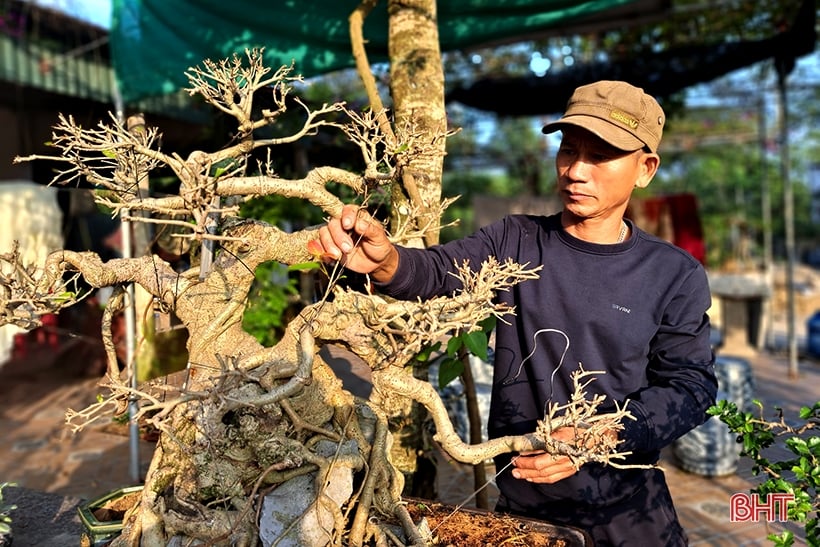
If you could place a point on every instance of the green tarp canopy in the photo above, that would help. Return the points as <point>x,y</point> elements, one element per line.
<point>153,42</point>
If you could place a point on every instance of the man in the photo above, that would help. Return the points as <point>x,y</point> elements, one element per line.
<point>610,298</point>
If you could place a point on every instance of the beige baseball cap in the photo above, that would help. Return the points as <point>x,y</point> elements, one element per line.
<point>619,113</point>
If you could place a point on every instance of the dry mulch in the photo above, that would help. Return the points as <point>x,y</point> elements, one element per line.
<point>475,528</point>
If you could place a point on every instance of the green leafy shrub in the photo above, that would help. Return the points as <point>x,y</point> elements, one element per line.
<point>795,471</point>
<point>273,293</point>
<point>5,511</point>
<point>452,365</point>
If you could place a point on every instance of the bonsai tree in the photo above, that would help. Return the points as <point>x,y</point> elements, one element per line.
<point>252,419</point>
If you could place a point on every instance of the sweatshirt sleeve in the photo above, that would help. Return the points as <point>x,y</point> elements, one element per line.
<point>681,382</point>
<point>426,273</point>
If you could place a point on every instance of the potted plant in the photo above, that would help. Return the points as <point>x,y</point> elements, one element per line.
<point>255,419</point>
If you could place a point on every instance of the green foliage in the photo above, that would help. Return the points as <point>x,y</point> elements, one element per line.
<point>728,180</point>
<point>275,288</point>
<point>276,209</point>
<point>475,342</point>
<point>519,146</point>
<point>797,473</point>
<point>513,162</point>
<point>5,510</point>
<point>465,185</point>
<point>265,315</point>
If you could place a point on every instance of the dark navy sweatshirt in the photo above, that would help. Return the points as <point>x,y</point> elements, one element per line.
<point>636,310</point>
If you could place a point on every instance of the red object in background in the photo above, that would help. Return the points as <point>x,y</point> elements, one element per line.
<point>72,340</point>
<point>688,231</point>
<point>46,336</point>
<point>674,218</point>
<point>19,347</point>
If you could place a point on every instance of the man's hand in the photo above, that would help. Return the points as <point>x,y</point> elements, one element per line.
<point>541,467</point>
<point>360,243</point>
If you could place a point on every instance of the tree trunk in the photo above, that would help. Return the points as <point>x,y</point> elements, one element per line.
<point>417,87</point>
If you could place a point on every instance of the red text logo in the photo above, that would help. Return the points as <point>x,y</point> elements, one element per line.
<point>754,507</point>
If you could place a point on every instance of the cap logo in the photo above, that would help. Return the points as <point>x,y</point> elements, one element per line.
<point>624,118</point>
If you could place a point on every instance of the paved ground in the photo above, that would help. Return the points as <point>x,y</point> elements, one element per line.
<point>55,469</point>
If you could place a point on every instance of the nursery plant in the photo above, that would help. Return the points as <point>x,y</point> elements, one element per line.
<point>5,517</point>
<point>792,470</point>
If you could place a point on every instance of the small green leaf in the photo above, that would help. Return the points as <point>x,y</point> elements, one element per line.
<point>798,446</point>
<point>786,539</point>
<point>807,412</point>
<point>453,345</point>
<point>65,296</point>
<point>449,370</point>
<point>488,324</point>
<point>477,342</point>
<point>304,266</point>
<point>424,355</point>
<point>109,153</point>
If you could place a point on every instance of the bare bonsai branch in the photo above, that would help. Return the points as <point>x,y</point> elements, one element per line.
<point>596,438</point>
<point>27,293</point>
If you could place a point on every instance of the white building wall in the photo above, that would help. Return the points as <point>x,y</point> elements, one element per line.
<point>30,215</point>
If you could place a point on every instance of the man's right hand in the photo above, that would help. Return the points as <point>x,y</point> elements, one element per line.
<point>360,242</point>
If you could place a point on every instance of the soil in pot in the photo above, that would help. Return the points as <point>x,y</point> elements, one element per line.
<point>102,518</point>
<point>469,527</point>
<point>116,508</point>
<point>465,527</point>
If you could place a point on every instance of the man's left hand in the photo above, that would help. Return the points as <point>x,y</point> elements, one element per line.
<point>542,467</point>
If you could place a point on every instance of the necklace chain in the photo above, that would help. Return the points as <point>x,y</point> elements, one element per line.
<point>622,235</point>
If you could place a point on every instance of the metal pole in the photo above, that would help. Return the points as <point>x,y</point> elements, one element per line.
<point>130,324</point>
<point>766,211</point>
<point>130,344</point>
<point>788,213</point>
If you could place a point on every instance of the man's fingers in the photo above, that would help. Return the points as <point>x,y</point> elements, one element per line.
<point>333,240</point>
<point>535,460</point>
<point>365,225</point>
<point>552,476</point>
<point>542,468</point>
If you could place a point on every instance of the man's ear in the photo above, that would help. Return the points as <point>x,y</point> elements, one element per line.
<point>648,168</point>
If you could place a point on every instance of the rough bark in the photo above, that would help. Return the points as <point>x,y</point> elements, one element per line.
<point>417,89</point>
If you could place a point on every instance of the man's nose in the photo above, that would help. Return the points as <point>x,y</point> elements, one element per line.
<point>579,168</point>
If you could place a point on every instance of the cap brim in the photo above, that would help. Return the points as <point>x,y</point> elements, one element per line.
<point>611,133</point>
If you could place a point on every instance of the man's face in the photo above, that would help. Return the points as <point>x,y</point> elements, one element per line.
<point>596,179</point>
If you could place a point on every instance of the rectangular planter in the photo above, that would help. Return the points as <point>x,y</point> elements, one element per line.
<point>98,530</point>
<point>483,527</point>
